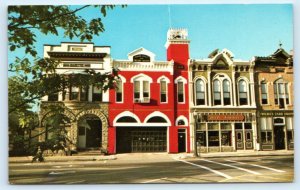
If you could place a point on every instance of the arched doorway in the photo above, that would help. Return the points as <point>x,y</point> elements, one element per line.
<point>89,132</point>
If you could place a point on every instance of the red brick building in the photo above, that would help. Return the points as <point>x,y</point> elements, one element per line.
<point>148,110</point>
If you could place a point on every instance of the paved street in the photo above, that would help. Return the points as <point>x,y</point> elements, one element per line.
<point>156,168</point>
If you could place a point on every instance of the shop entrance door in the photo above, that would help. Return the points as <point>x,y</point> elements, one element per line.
<point>181,140</point>
<point>279,137</point>
<point>249,141</point>
<point>239,140</point>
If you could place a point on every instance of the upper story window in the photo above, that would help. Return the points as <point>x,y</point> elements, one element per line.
<point>119,91</point>
<point>163,91</point>
<point>180,92</point>
<point>281,93</point>
<point>264,93</point>
<point>74,93</point>
<point>53,97</point>
<point>97,94</point>
<point>222,90</point>
<point>84,93</point>
<point>141,85</point>
<point>217,92</point>
<point>243,92</point>
<point>78,93</point>
<point>200,92</point>
<point>226,92</point>
<point>180,81</point>
<point>163,82</point>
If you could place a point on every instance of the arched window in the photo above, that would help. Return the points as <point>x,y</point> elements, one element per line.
<point>181,122</point>
<point>281,93</point>
<point>226,92</point>
<point>126,119</point>
<point>141,85</point>
<point>156,119</point>
<point>163,91</point>
<point>119,91</point>
<point>243,92</point>
<point>217,92</point>
<point>200,92</point>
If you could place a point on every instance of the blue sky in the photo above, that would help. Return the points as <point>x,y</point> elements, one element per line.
<point>246,30</point>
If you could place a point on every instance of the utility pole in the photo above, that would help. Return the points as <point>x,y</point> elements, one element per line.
<point>195,134</point>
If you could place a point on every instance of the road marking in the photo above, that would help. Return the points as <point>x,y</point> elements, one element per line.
<point>236,167</point>
<point>153,180</point>
<point>75,182</point>
<point>59,173</point>
<point>207,168</point>
<point>265,167</point>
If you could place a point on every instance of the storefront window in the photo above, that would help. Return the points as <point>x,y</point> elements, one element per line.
<point>226,138</point>
<point>226,134</point>
<point>213,138</point>
<point>290,130</point>
<point>266,130</point>
<point>201,138</point>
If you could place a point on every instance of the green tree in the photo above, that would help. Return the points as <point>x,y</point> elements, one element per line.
<point>35,77</point>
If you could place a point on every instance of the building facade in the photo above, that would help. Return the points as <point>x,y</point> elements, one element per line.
<point>84,114</point>
<point>222,106</point>
<point>274,97</point>
<point>148,110</point>
<point>216,104</point>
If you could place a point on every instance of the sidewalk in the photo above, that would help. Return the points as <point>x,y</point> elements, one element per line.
<point>132,156</point>
<point>246,153</point>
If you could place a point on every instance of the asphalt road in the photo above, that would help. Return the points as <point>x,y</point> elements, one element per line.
<point>156,168</point>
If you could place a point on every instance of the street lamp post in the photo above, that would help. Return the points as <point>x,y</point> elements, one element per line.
<point>195,134</point>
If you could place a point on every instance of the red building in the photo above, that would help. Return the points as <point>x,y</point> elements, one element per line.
<point>149,109</point>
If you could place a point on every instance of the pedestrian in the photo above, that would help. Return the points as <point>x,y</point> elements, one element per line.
<point>39,156</point>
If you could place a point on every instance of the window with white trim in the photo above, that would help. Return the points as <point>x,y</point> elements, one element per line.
<point>119,91</point>
<point>97,94</point>
<point>264,93</point>
<point>266,130</point>
<point>180,91</point>
<point>200,92</point>
<point>226,92</point>
<point>281,93</point>
<point>141,91</point>
<point>217,92</point>
<point>163,91</point>
<point>74,93</point>
<point>243,92</point>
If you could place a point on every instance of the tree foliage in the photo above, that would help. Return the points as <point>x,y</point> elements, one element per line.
<point>35,77</point>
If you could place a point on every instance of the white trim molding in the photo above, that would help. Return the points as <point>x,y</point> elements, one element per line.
<point>159,114</point>
<point>181,117</point>
<point>126,114</point>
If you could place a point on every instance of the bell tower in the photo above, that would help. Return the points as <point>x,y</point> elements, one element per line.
<point>177,46</point>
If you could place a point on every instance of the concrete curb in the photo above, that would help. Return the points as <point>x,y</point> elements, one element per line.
<point>28,159</point>
<point>235,155</point>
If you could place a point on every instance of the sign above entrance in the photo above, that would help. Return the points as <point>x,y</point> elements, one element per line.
<point>274,113</point>
<point>235,117</point>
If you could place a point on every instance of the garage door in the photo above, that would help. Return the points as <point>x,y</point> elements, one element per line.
<point>141,139</point>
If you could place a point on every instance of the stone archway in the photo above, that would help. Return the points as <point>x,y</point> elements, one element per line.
<point>66,113</point>
<point>103,120</point>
